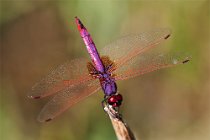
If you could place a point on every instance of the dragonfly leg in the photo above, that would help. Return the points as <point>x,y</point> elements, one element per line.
<point>104,102</point>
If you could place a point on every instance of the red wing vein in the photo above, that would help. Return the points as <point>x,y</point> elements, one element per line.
<point>69,74</point>
<point>67,98</point>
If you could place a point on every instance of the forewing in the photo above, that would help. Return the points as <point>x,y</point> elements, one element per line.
<point>66,98</point>
<point>148,62</point>
<point>69,74</point>
<point>128,47</point>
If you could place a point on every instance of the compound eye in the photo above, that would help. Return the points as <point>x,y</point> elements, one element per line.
<point>112,100</point>
<point>119,97</point>
<point>115,100</point>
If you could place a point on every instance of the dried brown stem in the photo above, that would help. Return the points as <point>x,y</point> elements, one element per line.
<point>122,131</point>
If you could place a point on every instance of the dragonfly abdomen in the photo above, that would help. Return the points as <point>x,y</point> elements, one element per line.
<point>91,48</point>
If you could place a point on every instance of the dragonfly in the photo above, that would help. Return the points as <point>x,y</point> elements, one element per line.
<point>125,58</point>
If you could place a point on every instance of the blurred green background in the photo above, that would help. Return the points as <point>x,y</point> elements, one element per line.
<point>170,104</point>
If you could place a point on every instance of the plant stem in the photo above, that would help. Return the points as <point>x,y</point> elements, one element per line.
<point>122,131</point>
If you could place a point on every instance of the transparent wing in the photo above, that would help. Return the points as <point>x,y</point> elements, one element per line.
<point>127,47</point>
<point>66,98</point>
<point>148,62</point>
<point>69,74</point>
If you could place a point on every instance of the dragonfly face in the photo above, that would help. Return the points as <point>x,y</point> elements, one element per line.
<point>125,58</point>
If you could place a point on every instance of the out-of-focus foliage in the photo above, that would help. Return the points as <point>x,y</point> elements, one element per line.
<point>36,36</point>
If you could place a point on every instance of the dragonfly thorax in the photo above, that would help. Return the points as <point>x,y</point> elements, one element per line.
<point>108,85</point>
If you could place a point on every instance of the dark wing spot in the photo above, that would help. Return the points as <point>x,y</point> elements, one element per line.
<point>167,36</point>
<point>34,97</point>
<point>185,61</point>
<point>48,120</point>
<point>37,97</point>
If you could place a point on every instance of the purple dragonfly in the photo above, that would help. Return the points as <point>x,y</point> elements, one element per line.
<point>125,58</point>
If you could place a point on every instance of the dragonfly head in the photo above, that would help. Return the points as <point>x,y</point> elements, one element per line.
<point>115,100</point>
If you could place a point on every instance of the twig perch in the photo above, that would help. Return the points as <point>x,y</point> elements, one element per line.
<point>121,129</point>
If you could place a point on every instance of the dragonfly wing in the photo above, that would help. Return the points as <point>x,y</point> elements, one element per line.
<point>148,62</point>
<point>127,47</point>
<point>66,98</point>
<point>69,74</point>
